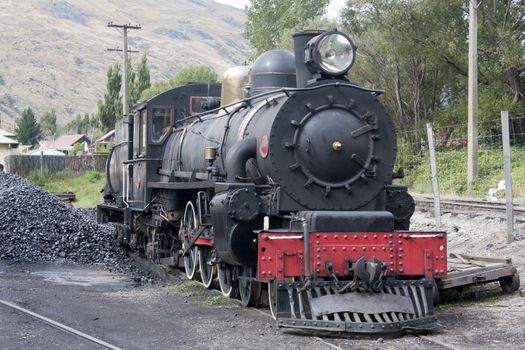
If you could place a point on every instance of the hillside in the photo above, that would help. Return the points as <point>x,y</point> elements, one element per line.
<point>54,51</point>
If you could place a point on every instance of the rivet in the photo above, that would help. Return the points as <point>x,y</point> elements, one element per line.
<point>400,263</point>
<point>374,249</point>
<point>383,249</point>
<point>318,235</point>
<point>344,249</point>
<point>324,249</point>
<point>364,248</point>
<point>375,236</point>
<point>333,249</point>
<point>345,236</point>
<point>385,236</point>
<point>366,236</point>
<point>316,242</point>
<point>391,263</point>
<point>335,236</point>
<point>263,258</point>
<point>325,237</point>
<point>355,236</point>
<point>318,249</point>
<point>391,256</point>
<point>270,272</point>
<point>269,258</point>
<point>318,256</point>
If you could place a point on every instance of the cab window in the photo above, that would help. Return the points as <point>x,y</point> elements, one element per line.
<point>161,121</point>
<point>139,137</point>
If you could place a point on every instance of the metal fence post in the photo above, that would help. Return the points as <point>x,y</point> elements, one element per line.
<point>435,179</point>
<point>508,174</point>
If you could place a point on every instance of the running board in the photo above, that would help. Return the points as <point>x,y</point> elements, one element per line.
<point>399,306</point>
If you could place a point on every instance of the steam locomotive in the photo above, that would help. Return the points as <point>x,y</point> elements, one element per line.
<point>279,179</point>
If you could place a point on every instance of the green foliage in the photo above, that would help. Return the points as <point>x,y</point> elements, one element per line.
<point>141,80</point>
<point>86,187</point>
<point>416,51</point>
<point>48,124</point>
<point>28,130</point>
<point>77,147</point>
<point>85,125</point>
<point>267,20</point>
<point>452,168</point>
<point>110,108</point>
<point>188,74</point>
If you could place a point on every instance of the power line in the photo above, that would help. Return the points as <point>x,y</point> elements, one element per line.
<point>124,28</point>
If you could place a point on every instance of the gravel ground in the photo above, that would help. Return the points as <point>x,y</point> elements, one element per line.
<point>478,235</point>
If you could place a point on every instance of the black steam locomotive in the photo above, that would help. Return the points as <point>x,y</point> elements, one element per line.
<point>281,178</point>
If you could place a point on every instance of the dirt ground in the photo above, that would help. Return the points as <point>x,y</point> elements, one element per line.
<point>184,315</point>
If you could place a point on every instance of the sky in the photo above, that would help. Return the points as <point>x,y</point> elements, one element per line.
<point>333,9</point>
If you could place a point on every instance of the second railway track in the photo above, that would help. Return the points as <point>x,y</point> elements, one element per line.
<point>470,206</point>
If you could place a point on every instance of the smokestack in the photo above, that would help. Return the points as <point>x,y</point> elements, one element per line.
<point>300,40</point>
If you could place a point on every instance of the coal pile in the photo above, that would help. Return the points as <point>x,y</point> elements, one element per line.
<point>37,226</point>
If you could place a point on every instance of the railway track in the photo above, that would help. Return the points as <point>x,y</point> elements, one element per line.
<point>67,197</point>
<point>60,326</point>
<point>469,206</point>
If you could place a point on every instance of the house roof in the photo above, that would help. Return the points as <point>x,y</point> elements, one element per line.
<point>7,141</point>
<point>6,133</point>
<point>63,143</point>
<point>106,136</point>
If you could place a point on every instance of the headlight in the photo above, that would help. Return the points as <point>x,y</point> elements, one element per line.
<point>332,53</point>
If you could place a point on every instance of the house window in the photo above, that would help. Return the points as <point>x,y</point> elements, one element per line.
<point>161,122</point>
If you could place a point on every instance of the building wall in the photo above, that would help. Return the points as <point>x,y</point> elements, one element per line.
<point>24,165</point>
<point>5,150</point>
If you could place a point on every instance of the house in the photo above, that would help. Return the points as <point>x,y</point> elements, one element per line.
<point>64,143</point>
<point>104,144</point>
<point>7,133</point>
<point>8,146</point>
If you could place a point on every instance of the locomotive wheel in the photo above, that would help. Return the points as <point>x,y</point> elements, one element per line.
<point>225,281</point>
<point>271,300</point>
<point>510,284</point>
<point>191,264</point>
<point>249,288</point>
<point>208,271</point>
<point>189,224</point>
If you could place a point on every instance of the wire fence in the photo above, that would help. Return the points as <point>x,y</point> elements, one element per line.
<point>451,144</point>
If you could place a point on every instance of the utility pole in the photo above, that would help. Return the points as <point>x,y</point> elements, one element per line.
<point>125,93</point>
<point>472,137</point>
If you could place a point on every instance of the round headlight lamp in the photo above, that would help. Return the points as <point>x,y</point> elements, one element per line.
<point>331,53</point>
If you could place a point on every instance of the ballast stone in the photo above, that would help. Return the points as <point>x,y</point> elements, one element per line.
<point>36,226</point>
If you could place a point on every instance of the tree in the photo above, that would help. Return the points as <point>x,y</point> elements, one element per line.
<point>110,108</point>
<point>193,74</point>
<point>48,124</point>
<point>141,80</point>
<point>188,74</point>
<point>28,130</point>
<point>268,19</point>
